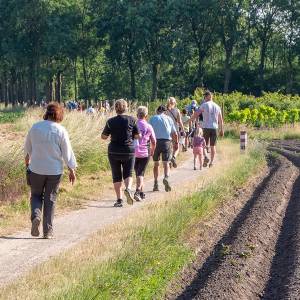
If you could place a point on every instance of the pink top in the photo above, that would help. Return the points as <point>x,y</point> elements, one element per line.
<point>147,133</point>
<point>199,142</point>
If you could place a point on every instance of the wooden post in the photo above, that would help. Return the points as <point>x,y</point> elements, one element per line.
<point>243,140</point>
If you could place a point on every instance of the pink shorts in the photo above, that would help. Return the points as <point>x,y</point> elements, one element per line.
<point>197,150</point>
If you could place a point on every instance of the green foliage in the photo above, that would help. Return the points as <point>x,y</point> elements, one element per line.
<point>10,116</point>
<point>264,116</point>
<point>62,49</point>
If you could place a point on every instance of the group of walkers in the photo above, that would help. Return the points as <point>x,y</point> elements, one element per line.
<point>132,144</point>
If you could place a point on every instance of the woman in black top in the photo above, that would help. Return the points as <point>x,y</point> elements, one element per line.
<point>122,130</point>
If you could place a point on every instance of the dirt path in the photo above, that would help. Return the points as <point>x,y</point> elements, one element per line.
<point>20,252</point>
<point>254,246</point>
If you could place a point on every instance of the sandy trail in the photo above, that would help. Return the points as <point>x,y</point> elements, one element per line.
<point>20,252</point>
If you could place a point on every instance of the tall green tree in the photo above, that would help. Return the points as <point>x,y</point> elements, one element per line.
<point>230,14</point>
<point>157,28</point>
<point>266,16</point>
<point>199,18</point>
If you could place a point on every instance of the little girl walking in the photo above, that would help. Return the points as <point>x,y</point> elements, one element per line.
<point>199,145</point>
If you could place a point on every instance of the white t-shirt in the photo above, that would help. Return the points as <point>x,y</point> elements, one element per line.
<point>48,146</point>
<point>90,111</point>
<point>210,111</point>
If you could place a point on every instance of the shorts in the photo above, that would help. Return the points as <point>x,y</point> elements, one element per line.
<point>210,136</point>
<point>121,166</point>
<point>140,165</point>
<point>163,148</point>
<point>198,150</point>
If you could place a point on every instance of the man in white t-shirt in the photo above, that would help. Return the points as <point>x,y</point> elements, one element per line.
<point>212,120</point>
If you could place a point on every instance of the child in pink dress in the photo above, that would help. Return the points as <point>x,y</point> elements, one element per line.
<point>199,145</point>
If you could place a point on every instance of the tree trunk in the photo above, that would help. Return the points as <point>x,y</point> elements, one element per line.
<point>13,87</point>
<point>262,64</point>
<point>20,91</point>
<point>58,97</point>
<point>75,79</point>
<point>155,76</point>
<point>290,75</point>
<point>86,83</point>
<point>50,90</point>
<point>200,73</point>
<point>248,39</point>
<point>132,78</point>
<point>5,89</point>
<point>227,72</point>
<point>25,88</point>
<point>32,84</point>
<point>1,91</point>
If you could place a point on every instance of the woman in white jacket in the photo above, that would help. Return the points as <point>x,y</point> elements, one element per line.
<point>47,147</point>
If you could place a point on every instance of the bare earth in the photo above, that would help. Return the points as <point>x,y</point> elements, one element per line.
<point>251,248</point>
<point>20,252</point>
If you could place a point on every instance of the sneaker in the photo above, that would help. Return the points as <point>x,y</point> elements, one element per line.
<point>210,165</point>
<point>173,162</point>
<point>129,196</point>
<point>142,195</point>
<point>155,187</point>
<point>35,224</point>
<point>195,168</point>
<point>206,161</point>
<point>48,236</point>
<point>167,184</point>
<point>119,203</point>
<point>137,196</point>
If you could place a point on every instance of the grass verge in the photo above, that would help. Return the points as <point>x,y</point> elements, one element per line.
<point>137,258</point>
<point>287,132</point>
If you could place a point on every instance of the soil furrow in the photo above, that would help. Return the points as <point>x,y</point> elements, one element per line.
<point>210,234</point>
<point>249,261</point>
<point>284,282</point>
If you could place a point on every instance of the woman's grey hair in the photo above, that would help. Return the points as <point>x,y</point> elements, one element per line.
<point>142,112</point>
<point>121,106</point>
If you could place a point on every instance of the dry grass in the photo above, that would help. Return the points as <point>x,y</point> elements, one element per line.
<point>285,132</point>
<point>90,151</point>
<point>65,272</point>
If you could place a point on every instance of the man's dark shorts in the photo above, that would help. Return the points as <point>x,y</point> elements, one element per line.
<point>164,148</point>
<point>210,135</point>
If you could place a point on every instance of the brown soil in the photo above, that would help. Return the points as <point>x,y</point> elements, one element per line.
<point>251,248</point>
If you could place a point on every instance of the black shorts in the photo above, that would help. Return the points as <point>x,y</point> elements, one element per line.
<point>163,148</point>
<point>121,166</point>
<point>140,165</point>
<point>210,136</point>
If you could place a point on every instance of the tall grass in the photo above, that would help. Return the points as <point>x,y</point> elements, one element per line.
<point>84,132</point>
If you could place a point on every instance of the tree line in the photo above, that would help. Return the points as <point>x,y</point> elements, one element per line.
<point>146,49</point>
